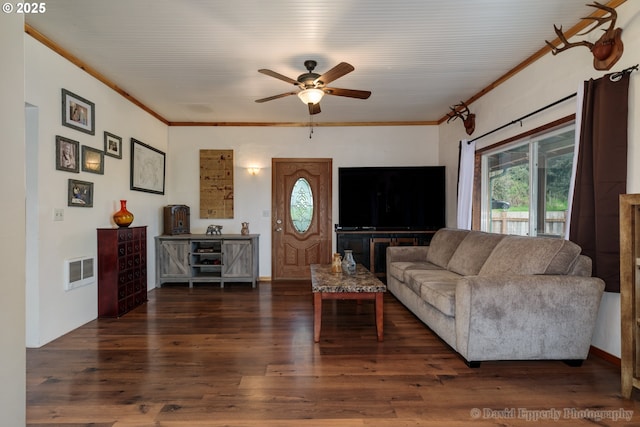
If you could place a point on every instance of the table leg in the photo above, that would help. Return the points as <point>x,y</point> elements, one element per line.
<point>379,316</point>
<point>317,315</point>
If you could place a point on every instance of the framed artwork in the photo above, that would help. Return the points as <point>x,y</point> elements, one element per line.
<point>92,160</point>
<point>67,154</point>
<point>78,113</point>
<point>112,145</point>
<point>80,194</point>
<point>147,168</point>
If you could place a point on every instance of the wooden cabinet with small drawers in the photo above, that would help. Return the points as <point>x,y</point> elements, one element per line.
<point>122,270</point>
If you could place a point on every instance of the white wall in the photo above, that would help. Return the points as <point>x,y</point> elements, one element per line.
<point>547,80</point>
<point>12,233</point>
<point>256,146</point>
<point>55,310</point>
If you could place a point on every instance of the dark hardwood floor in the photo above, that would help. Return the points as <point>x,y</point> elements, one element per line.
<point>245,357</point>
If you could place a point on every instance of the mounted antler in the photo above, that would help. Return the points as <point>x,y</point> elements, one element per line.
<point>467,117</point>
<point>607,49</point>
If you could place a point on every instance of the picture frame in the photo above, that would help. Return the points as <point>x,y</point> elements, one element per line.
<point>67,154</point>
<point>112,145</point>
<point>78,113</point>
<point>147,168</point>
<point>80,194</point>
<point>92,160</point>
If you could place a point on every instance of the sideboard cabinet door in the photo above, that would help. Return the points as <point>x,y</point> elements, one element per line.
<point>173,259</point>
<point>238,259</point>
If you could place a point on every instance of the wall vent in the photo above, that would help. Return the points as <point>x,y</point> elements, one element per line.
<point>79,272</point>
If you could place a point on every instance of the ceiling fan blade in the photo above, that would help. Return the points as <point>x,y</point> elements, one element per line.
<point>271,98</point>
<point>314,108</point>
<point>336,72</point>
<point>278,76</point>
<point>351,93</point>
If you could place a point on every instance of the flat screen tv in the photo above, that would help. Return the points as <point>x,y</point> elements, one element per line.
<point>391,198</point>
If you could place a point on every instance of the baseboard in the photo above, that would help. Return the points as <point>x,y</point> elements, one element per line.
<point>605,356</point>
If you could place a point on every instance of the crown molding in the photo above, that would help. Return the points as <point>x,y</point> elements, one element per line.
<point>584,23</point>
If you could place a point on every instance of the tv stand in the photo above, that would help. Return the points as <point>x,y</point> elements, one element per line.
<point>370,246</point>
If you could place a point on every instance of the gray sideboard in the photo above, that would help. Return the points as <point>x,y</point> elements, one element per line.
<point>205,258</point>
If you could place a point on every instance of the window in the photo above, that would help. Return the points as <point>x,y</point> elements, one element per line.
<point>301,205</point>
<point>525,184</point>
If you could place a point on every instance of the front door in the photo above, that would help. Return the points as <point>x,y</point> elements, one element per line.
<point>301,215</point>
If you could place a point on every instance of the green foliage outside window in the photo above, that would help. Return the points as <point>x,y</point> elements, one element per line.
<point>512,185</point>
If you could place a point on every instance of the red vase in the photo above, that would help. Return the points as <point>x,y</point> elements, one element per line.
<point>123,218</point>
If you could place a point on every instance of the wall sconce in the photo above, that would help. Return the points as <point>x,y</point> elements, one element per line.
<point>253,170</point>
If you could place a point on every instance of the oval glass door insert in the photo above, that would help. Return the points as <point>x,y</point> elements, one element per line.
<point>301,205</point>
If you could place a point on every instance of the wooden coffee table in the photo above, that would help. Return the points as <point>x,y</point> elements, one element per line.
<point>363,285</point>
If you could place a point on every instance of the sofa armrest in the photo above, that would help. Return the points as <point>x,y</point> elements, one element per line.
<point>515,317</point>
<point>403,256</point>
<point>407,253</point>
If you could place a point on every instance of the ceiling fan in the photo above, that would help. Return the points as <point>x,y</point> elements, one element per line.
<point>313,87</point>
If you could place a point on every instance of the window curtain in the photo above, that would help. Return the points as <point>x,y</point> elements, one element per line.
<point>466,163</point>
<point>576,147</point>
<point>601,175</point>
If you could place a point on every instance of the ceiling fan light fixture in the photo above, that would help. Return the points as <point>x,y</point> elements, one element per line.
<point>310,96</point>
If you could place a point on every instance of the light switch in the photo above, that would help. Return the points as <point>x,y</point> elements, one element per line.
<point>58,214</point>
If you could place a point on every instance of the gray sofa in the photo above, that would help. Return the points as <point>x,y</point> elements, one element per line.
<point>500,297</point>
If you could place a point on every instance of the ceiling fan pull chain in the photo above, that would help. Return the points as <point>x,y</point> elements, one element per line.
<point>310,125</point>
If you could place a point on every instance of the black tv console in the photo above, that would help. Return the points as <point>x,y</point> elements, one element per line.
<point>370,247</point>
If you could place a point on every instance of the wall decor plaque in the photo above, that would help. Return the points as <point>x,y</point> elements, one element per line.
<point>216,183</point>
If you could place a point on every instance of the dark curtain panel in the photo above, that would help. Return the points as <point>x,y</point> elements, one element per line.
<point>601,176</point>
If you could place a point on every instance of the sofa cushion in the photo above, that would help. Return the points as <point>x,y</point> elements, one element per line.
<point>531,255</point>
<point>398,268</point>
<point>443,244</point>
<point>435,287</point>
<point>441,295</point>
<point>473,251</point>
<point>565,259</point>
<point>583,266</point>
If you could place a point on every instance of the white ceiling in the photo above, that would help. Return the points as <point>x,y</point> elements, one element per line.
<point>197,60</point>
